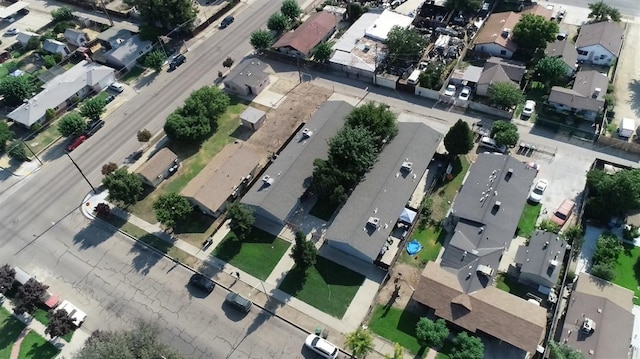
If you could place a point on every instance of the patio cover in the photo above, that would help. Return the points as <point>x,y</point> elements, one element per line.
<point>407,216</point>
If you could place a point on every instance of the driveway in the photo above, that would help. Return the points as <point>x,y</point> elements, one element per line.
<point>627,82</point>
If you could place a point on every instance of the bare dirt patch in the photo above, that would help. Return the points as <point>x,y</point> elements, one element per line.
<point>283,86</point>
<point>405,277</point>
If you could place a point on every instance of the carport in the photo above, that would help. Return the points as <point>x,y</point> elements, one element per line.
<point>13,9</point>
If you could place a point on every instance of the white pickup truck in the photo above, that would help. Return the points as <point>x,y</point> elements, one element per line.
<point>76,314</point>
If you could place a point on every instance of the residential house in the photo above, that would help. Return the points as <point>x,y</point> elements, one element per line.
<point>299,42</point>
<point>496,70</point>
<point>248,78</point>
<point>585,98</point>
<point>157,168</point>
<point>82,80</point>
<point>225,177</point>
<point>599,319</point>
<point>540,10</point>
<point>23,37</point>
<point>112,37</point>
<point>385,22</point>
<point>566,51</point>
<point>279,192</point>
<point>599,43</point>
<point>496,36</point>
<point>460,288</point>
<point>76,37</point>
<point>123,48</point>
<point>362,227</point>
<point>55,47</point>
<point>539,261</point>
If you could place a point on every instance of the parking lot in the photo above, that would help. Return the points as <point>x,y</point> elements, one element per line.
<point>30,22</point>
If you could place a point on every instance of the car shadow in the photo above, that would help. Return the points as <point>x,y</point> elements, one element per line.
<point>196,292</point>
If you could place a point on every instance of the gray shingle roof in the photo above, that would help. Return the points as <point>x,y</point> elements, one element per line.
<point>564,50</point>
<point>248,73</point>
<point>543,256</point>
<point>385,190</point>
<point>293,168</point>
<point>609,35</point>
<point>582,96</point>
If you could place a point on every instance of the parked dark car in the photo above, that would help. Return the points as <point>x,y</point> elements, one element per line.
<point>74,143</point>
<point>201,282</point>
<point>93,127</point>
<point>177,61</point>
<point>110,99</point>
<point>241,303</point>
<point>226,21</point>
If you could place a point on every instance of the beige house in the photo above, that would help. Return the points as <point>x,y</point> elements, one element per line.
<point>157,168</point>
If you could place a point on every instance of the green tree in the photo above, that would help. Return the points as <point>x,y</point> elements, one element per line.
<point>49,114</point>
<point>291,9</point>
<point>354,11</point>
<point>550,70</point>
<point>377,119</point>
<point>5,135</point>
<point>466,347</point>
<point>107,168</point>
<point>186,129</point>
<point>60,323</point>
<point>505,94</point>
<point>49,61</point>
<point>431,77</point>
<point>605,271</point>
<point>505,133</point>
<point>228,62</point>
<point>322,52</point>
<point>533,32</point>
<point>432,333</point>
<point>359,342</point>
<point>16,89</point>
<point>72,124</point>
<point>62,14</point>
<point>398,352</point>
<point>404,45</point>
<point>18,151</point>
<point>563,351</point>
<point>242,219</point>
<point>168,14</point>
<point>459,139</point>
<point>353,150</point>
<point>463,5</point>
<point>303,252</point>
<point>155,60</point>
<point>608,248</point>
<point>261,39</point>
<point>7,277</point>
<point>29,296</point>
<point>612,195</point>
<point>603,12</point>
<point>277,22</point>
<point>548,225</point>
<point>198,118</point>
<point>144,135</point>
<point>171,209</point>
<point>574,236</point>
<point>93,108</point>
<point>123,186</point>
<point>329,180</point>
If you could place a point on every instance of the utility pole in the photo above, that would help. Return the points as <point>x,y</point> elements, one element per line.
<point>83,176</point>
<point>33,153</point>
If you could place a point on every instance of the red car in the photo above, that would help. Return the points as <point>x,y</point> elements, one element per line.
<point>564,212</point>
<point>76,142</point>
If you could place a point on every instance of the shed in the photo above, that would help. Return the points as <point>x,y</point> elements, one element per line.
<point>627,127</point>
<point>253,118</point>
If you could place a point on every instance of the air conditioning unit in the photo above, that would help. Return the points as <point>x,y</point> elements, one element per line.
<point>373,221</point>
<point>485,269</point>
<point>407,166</point>
<point>306,133</point>
<point>267,180</point>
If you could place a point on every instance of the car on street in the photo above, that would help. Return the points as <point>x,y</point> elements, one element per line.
<point>201,282</point>
<point>109,99</point>
<point>177,61</point>
<point>117,87</point>
<point>450,91</point>
<point>491,144</point>
<point>528,108</point>
<point>562,214</point>
<point>465,93</point>
<point>93,127</point>
<point>11,31</point>
<point>75,142</point>
<point>239,302</point>
<point>537,191</point>
<point>321,346</point>
<point>561,36</point>
<point>226,21</point>
<point>9,19</point>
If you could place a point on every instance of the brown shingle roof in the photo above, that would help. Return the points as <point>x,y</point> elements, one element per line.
<point>157,164</point>
<point>492,31</point>
<point>564,50</point>
<point>310,33</point>
<point>216,182</point>
<point>540,11</point>
<point>490,310</point>
<point>606,34</point>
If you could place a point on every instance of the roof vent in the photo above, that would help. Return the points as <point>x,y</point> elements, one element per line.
<point>588,326</point>
<point>509,173</point>
<point>485,269</point>
<point>481,229</point>
<point>553,263</point>
<point>505,32</point>
<point>406,166</point>
<point>306,133</point>
<point>267,180</point>
<point>497,204</point>
<point>373,221</point>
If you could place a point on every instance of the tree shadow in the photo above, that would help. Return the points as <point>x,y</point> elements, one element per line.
<point>97,232</point>
<point>38,350</point>
<point>294,281</point>
<point>634,94</point>
<point>196,222</point>
<point>56,150</point>
<point>636,270</point>
<point>228,248</point>
<point>242,133</point>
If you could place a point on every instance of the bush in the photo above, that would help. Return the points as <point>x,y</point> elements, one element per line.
<point>631,232</point>
<point>49,61</point>
<point>549,226</point>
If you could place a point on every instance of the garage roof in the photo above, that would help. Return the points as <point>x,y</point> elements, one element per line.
<point>12,9</point>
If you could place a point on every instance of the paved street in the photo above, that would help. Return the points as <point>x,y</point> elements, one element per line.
<point>626,7</point>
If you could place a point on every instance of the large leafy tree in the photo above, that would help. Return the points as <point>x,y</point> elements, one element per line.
<point>505,94</point>
<point>563,351</point>
<point>304,252</point>
<point>93,108</point>
<point>603,12</point>
<point>198,117</point>
<point>404,45</point>
<point>60,323</point>
<point>432,333</point>
<point>377,119</point>
<point>171,208</point>
<point>612,195</point>
<point>431,77</point>
<point>16,89</point>
<point>354,11</point>
<point>466,347</point>
<point>534,31</point>
<point>29,296</point>
<point>155,60</point>
<point>123,186</point>
<point>459,139</point>
<point>291,9</point>
<point>463,5</point>
<point>62,14</point>
<point>72,124</point>
<point>550,70</point>
<point>168,14</point>
<point>7,276</point>
<point>277,22</point>
<point>330,181</point>
<point>261,39</point>
<point>359,342</point>
<point>322,52</point>
<point>5,135</point>
<point>353,150</point>
<point>242,219</point>
<point>505,133</point>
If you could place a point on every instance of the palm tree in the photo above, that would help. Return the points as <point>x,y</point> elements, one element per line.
<point>360,342</point>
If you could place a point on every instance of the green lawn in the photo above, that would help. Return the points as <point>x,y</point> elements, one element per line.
<point>431,238</point>
<point>257,254</point>
<point>133,74</point>
<point>44,138</point>
<point>628,271</point>
<point>396,325</point>
<point>36,347</point>
<point>327,286</point>
<point>528,219</point>
<point>10,329</point>
<point>510,285</point>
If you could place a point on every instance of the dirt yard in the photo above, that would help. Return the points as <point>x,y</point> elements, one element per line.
<point>404,276</point>
<point>299,105</point>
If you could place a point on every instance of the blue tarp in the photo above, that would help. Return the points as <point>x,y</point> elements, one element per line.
<point>414,247</point>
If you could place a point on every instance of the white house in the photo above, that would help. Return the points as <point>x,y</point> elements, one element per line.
<point>128,52</point>
<point>55,47</point>
<point>76,37</point>
<point>24,37</point>
<point>599,43</point>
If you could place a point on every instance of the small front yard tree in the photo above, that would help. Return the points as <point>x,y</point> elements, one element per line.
<point>18,151</point>
<point>7,276</point>
<point>404,45</point>
<point>431,77</point>
<point>102,210</point>
<point>277,22</point>
<point>505,94</point>
<point>72,124</point>
<point>171,209</point>
<point>60,323</point>
<point>563,351</point>
<point>143,135</point>
<point>93,108</point>
<point>432,333</point>
<point>228,62</point>
<point>155,60</point>
<point>16,89</point>
<point>322,52</point>
<point>242,219</point>
<point>29,296</point>
<point>398,352</point>
<point>533,32</point>
<point>505,133</point>
<point>603,12</point>
<point>291,9</point>
<point>550,70</point>
<point>123,186</point>
<point>459,139</point>
<point>5,135</point>
<point>261,39</point>
<point>304,252</point>
<point>467,347</point>
<point>359,342</point>
<point>109,167</point>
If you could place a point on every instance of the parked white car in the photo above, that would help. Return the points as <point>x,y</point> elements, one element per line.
<point>450,91</point>
<point>537,191</point>
<point>117,87</point>
<point>528,108</point>
<point>321,346</point>
<point>465,93</point>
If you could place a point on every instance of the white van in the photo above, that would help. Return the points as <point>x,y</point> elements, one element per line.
<point>490,143</point>
<point>413,78</point>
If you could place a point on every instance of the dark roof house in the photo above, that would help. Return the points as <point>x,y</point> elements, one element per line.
<point>156,169</point>
<point>564,50</point>
<point>248,77</point>
<point>587,94</point>
<point>317,28</point>
<point>497,69</point>
<point>600,39</point>
<point>539,262</point>
<point>496,35</point>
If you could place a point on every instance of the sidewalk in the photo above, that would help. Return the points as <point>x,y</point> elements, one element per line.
<point>66,349</point>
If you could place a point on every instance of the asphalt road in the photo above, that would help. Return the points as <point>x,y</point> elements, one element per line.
<point>626,7</point>
<point>113,279</point>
